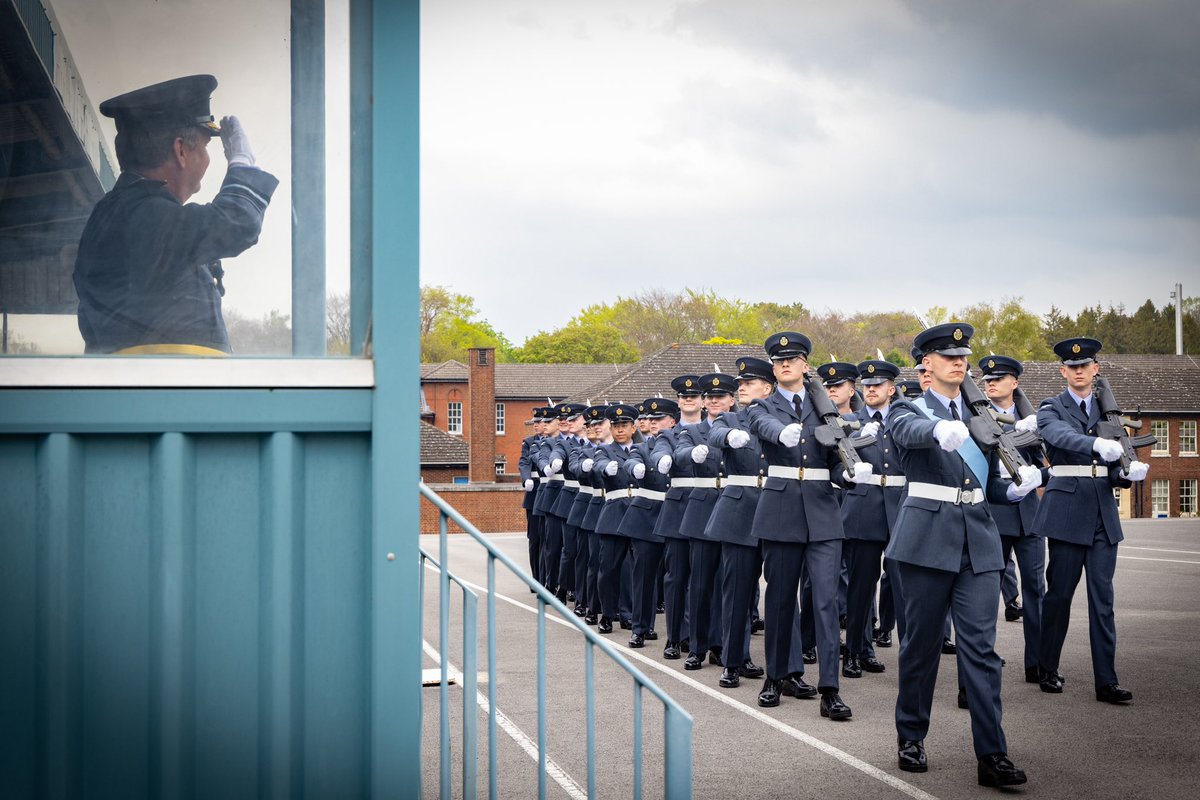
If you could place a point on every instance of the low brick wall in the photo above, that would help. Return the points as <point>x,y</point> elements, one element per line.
<point>490,507</point>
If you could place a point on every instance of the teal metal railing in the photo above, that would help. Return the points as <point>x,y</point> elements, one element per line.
<point>677,723</point>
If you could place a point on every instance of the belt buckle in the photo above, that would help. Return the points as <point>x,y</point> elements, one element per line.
<point>1094,467</point>
<point>761,481</point>
<point>718,480</point>
<point>630,491</point>
<point>958,501</point>
<point>882,480</point>
<point>799,473</point>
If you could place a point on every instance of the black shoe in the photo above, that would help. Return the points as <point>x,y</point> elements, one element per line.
<point>714,656</point>
<point>757,626</point>
<point>751,670</point>
<point>671,651</point>
<point>605,625</point>
<point>872,664</point>
<point>1113,693</point>
<point>579,611</point>
<point>626,625</point>
<point>810,655</point>
<point>884,639</point>
<point>1033,674</point>
<point>1013,611</point>
<point>833,707</point>
<point>661,609</point>
<point>651,636</point>
<point>997,770</point>
<point>570,597</point>
<point>949,648</point>
<point>851,668</point>
<point>685,645</point>
<point>962,697</point>
<point>636,641</point>
<point>911,757</point>
<point>1052,682</point>
<point>794,686</point>
<point>729,678</point>
<point>768,696</point>
<point>590,619</point>
<point>842,621</point>
<point>694,661</point>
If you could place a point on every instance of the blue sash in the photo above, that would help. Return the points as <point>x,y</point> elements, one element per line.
<point>969,451</point>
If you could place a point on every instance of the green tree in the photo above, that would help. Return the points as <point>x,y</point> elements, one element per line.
<point>578,344</point>
<point>1006,328</point>
<point>449,326</point>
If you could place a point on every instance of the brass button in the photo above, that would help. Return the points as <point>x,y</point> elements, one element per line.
<point>885,450</point>
<point>806,458</point>
<point>967,482</point>
<point>885,465</point>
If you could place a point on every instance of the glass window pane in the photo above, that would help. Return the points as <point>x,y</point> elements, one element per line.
<point>1162,431</point>
<point>1160,498</point>
<point>1187,437</point>
<point>1187,498</point>
<point>499,419</point>
<point>454,417</point>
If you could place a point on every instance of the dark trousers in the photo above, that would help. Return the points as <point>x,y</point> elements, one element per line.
<point>1067,561</point>
<point>647,558</point>
<point>1031,558</point>
<point>593,573</point>
<point>613,550</point>
<point>704,596</point>
<point>887,602</point>
<point>580,567</point>
<point>566,560</point>
<point>808,624</point>
<point>552,540</point>
<point>625,595</point>
<point>675,583</point>
<point>740,568</point>
<point>782,563</point>
<point>971,599</point>
<point>535,545</point>
<point>862,560</point>
<point>1008,579</point>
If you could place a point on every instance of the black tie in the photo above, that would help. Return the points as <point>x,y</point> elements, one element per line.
<point>878,417</point>
<point>798,402</point>
<point>954,410</point>
<point>1083,407</point>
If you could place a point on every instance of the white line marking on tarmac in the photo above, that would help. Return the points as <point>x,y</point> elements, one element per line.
<point>784,728</point>
<point>556,772</point>
<point>1160,549</point>
<point>1164,560</point>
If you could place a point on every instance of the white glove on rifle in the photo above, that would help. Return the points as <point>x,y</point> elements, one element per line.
<point>664,464</point>
<point>1031,478</point>
<point>1026,424</point>
<point>862,473</point>
<point>236,143</point>
<point>700,453</point>
<point>950,434</point>
<point>1137,471</point>
<point>737,439</point>
<point>1107,449</point>
<point>587,464</point>
<point>870,429</point>
<point>790,436</point>
<point>611,468</point>
<point>639,470</point>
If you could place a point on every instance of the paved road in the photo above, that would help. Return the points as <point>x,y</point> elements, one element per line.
<point>1070,745</point>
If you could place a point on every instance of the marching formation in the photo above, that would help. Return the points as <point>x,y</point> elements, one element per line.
<point>865,502</point>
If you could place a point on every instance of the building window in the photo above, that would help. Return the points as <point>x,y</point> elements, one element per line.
<point>1187,498</point>
<point>1187,437</point>
<point>499,419</point>
<point>1160,498</point>
<point>454,417</point>
<point>1162,431</point>
<point>499,467</point>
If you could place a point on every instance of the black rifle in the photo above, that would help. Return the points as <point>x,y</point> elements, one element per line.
<point>987,431</point>
<point>835,430</point>
<point>1024,408</point>
<point>1114,423</point>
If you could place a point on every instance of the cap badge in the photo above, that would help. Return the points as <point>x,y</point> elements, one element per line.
<point>783,341</point>
<point>832,371</point>
<point>1075,348</point>
<point>991,363</point>
<point>741,367</point>
<point>620,411</point>
<point>717,381</point>
<point>958,334</point>
<point>871,368</point>
<point>654,406</point>
<point>688,383</point>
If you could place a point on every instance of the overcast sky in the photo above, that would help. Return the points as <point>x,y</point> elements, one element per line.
<point>861,155</point>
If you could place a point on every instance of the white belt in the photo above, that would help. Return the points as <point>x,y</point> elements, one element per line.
<point>683,483</point>
<point>587,490</point>
<point>542,479</point>
<point>557,477</point>
<point>706,483</point>
<point>798,473</point>
<point>946,494</point>
<point>888,480</point>
<point>1079,471</point>
<point>650,494</point>
<point>572,484</point>
<point>618,494</point>
<point>743,480</point>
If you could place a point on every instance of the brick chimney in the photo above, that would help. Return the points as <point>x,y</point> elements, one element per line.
<point>481,414</point>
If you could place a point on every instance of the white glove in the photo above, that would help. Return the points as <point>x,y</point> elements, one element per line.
<point>611,468</point>
<point>529,484</point>
<point>664,464</point>
<point>548,470</point>
<point>870,429</point>
<point>737,439</point>
<point>639,470</point>
<point>556,465</point>
<point>587,464</point>
<point>1137,471</point>
<point>1031,478</point>
<point>236,143</point>
<point>1026,424</point>
<point>862,473</point>
<point>950,434</point>
<point>790,436</point>
<point>1107,449</point>
<point>700,453</point>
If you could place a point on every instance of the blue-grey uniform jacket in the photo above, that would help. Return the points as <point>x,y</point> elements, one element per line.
<point>733,516</point>
<point>642,513</point>
<point>551,485</point>
<point>596,503</point>
<point>148,270</point>
<point>789,510</point>
<point>565,449</point>
<point>933,533</point>
<point>622,486</point>
<point>700,500</point>
<point>677,496</point>
<point>525,467</point>
<point>869,511</point>
<point>1072,507</point>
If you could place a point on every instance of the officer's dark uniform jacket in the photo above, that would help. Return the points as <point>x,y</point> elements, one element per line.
<point>642,514</point>
<point>551,484</point>
<point>564,449</point>
<point>869,511</point>
<point>574,470</point>
<point>525,467</point>
<point>1071,507</point>
<point>1015,519</point>
<point>701,499</point>
<point>794,510</point>
<point>932,533</point>
<point>148,269</point>
<point>733,515</point>
<point>619,489</point>
<point>674,506</point>
<point>596,504</point>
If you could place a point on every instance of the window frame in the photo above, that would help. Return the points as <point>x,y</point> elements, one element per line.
<point>501,413</point>
<point>1155,495</point>
<point>450,417</point>
<point>1163,446</point>
<point>1193,485</point>
<point>1183,425</point>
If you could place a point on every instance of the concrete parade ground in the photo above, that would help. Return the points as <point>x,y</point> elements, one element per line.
<point>1069,744</point>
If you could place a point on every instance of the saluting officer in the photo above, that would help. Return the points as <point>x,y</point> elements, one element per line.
<point>797,521</point>
<point>619,489</point>
<point>947,553</point>
<point>1015,521</point>
<point>601,434</point>
<point>1078,514</point>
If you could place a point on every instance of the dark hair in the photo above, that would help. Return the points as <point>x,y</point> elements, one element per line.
<point>142,147</point>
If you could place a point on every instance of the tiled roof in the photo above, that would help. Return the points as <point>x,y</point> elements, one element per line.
<point>1158,383</point>
<point>439,447</point>
<point>530,381</point>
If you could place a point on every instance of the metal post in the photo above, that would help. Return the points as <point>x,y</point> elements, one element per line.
<point>637,740</point>
<point>444,653</point>
<point>677,735</point>
<point>360,173</point>
<point>590,682</point>
<point>492,766</point>
<point>470,725</point>
<point>541,697</point>
<point>308,177</point>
